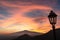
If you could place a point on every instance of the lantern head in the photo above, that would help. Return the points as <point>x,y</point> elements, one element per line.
<point>52,17</point>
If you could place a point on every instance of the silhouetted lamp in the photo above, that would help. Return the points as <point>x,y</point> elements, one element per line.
<point>52,19</point>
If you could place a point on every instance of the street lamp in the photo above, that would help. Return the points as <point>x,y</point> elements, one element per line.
<point>52,19</point>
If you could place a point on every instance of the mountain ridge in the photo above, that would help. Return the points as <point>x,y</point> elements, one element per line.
<point>30,33</point>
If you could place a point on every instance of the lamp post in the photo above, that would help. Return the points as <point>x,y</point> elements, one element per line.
<point>52,19</point>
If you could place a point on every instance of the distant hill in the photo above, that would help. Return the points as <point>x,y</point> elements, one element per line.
<point>18,34</point>
<point>30,33</point>
<point>49,35</point>
<point>24,37</point>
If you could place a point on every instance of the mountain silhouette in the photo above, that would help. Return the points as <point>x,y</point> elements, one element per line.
<point>49,35</point>
<point>30,33</point>
<point>18,34</point>
<point>26,35</point>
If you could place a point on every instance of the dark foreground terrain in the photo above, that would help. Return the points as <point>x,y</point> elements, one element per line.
<point>47,36</point>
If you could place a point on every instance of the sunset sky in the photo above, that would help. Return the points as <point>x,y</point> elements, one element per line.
<point>19,15</point>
